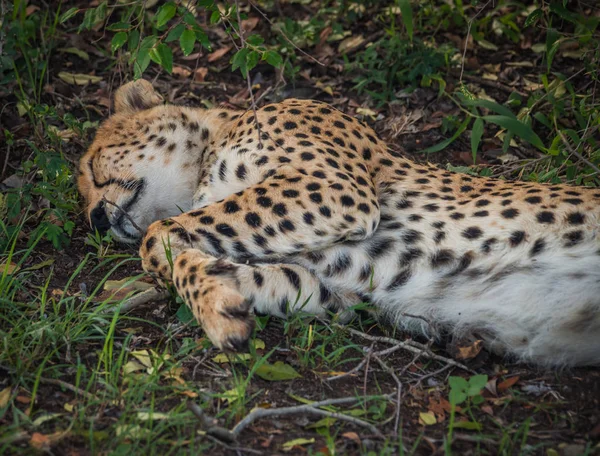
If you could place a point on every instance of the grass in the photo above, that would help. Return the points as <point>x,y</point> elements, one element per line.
<point>78,375</point>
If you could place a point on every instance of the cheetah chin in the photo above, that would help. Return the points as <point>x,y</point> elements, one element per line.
<point>299,206</point>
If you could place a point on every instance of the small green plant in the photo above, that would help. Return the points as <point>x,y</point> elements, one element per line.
<point>466,392</point>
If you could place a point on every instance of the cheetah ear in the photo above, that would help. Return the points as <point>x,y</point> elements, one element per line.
<point>136,96</point>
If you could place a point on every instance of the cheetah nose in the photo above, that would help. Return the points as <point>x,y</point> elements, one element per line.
<point>99,218</point>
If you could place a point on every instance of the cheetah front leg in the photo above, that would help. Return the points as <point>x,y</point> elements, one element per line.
<point>221,294</point>
<point>287,213</point>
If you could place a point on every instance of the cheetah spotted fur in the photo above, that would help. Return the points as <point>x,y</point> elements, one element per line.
<point>301,206</point>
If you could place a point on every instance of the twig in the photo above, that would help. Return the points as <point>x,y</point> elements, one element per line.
<point>127,216</point>
<point>390,371</point>
<point>577,154</point>
<point>283,34</point>
<point>149,295</point>
<point>412,347</point>
<point>209,424</point>
<point>65,385</point>
<point>315,410</point>
<point>360,365</point>
<point>470,24</point>
<point>494,84</point>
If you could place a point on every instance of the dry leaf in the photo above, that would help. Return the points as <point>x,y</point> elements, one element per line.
<point>352,436</point>
<point>249,24</point>
<point>23,399</point>
<point>350,43</point>
<point>79,78</point>
<point>213,56</point>
<point>200,74</point>
<point>504,385</point>
<point>181,72</point>
<point>4,396</point>
<point>39,441</point>
<point>470,351</point>
<point>427,418</point>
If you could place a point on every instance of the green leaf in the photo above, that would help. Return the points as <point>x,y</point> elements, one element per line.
<point>255,40</point>
<point>162,55</point>
<point>469,425</point>
<point>134,39</point>
<point>458,383</point>
<point>185,316</point>
<point>488,104</point>
<point>252,60</point>
<point>457,397</point>
<point>175,33</point>
<point>239,61</point>
<point>273,58</point>
<point>187,41</point>
<point>407,16</point>
<point>476,134</point>
<point>277,372</point>
<point>462,127</point>
<point>215,17</point>
<point>552,45</point>
<point>68,14</point>
<point>476,384</point>
<point>165,13</point>
<point>119,27</point>
<point>517,128</point>
<point>533,17</point>
<point>118,41</point>
<point>141,59</point>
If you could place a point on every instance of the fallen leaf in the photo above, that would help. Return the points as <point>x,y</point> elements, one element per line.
<point>68,406</point>
<point>181,72</point>
<point>78,52</point>
<point>504,385</point>
<point>31,9</point>
<point>200,74</point>
<point>470,351</point>
<point>213,56</point>
<point>146,416</point>
<point>287,446</point>
<point>322,423</point>
<point>277,372</point>
<point>249,24</point>
<point>259,344</point>
<point>5,396</point>
<point>350,43</point>
<point>39,441</point>
<point>45,418</point>
<point>427,418</point>
<point>23,399</point>
<point>469,425</point>
<point>8,268</point>
<point>352,436</point>
<point>366,112</point>
<point>79,78</point>
<point>222,358</point>
<point>189,393</point>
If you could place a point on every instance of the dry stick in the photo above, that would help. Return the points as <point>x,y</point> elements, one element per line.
<point>65,385</point>
<point>209,424</point>
<point>494,84</point>
<point>411,346</point>
<point>149,295</point>
<point>311,408</point>
<point>127,216</point>
<point>390,371</point>
<point>462,66</point>
<point>359,366</point>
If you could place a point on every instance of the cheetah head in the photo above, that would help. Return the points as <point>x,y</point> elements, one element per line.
<point>127,179</point>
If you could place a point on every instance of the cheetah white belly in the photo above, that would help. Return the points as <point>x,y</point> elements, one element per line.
<point>544,309</point>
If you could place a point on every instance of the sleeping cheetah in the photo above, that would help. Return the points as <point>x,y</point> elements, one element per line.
<point>298,206</point>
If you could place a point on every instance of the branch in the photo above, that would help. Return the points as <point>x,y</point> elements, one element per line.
<point>311,408</point>
<point>412,346</point>
<point>149,295</point>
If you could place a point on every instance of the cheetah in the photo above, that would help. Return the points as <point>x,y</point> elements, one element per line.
<point>297,206</point>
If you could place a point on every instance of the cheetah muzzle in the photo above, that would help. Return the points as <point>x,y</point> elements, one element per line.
<point>318,214</point>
